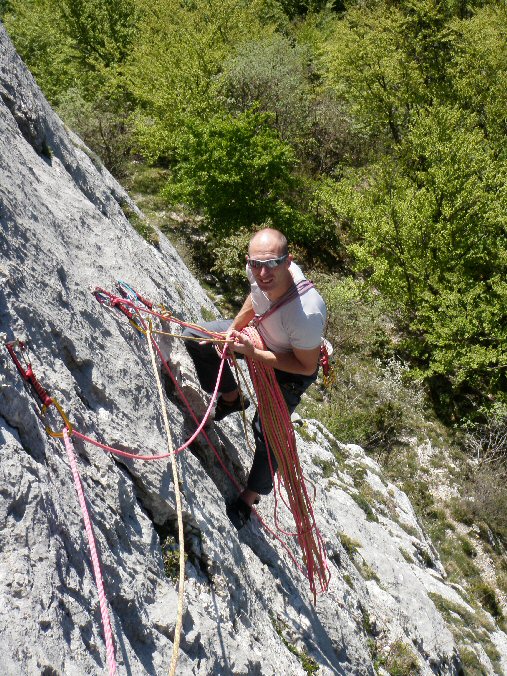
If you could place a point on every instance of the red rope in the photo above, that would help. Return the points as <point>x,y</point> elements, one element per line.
<point>280,439</point>
<point>290,475</point>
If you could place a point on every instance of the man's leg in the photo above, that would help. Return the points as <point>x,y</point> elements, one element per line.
<point>207,362</point>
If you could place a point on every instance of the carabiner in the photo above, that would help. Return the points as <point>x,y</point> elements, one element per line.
<point>63,416</point>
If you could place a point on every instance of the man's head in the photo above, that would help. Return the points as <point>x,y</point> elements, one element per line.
<point>270,246</point>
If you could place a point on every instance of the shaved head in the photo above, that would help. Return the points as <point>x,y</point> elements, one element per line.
<point>268,238</point>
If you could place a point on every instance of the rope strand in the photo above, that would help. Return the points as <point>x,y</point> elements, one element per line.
<point>177,494</point>
<point>108,634</point>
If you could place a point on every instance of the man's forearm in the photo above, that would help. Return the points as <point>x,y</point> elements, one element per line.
<point>244,316</point>
<point>284,361</point>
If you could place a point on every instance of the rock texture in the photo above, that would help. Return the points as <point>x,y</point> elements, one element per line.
<point>247,609</point>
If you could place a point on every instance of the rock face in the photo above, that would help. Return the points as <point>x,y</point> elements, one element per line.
<point>247,608</point>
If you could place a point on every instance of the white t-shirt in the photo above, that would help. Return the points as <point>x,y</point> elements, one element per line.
<point>297,324</point>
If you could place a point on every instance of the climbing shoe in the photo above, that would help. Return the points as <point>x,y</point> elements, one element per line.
<point>238,513</point>
<point>225,408</point>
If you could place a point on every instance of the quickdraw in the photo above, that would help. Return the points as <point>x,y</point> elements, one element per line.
<point>34,387</point>
<point>107,299</point>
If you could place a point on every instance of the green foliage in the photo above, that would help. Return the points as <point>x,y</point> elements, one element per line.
<point>487,598</point>
<point>431,232</point>
<point>401,660</point>
<point>279,76</point>
<point>229,257</point>
<point>237,171</point>
<point>38,32</point>
<point>272,73</point>
<point>101,31</point>
<point>328,467</point>
<point>72,43</point>
<point>363,503</point>
<point>171,558</point>
<point>368,68</point>
<point>101,126</point>
<point>374,400</point>
<point>485,502</point>
<point>479,70</point>
<point>174,64</point>
<point>350,545</point>
<point>141,226</point>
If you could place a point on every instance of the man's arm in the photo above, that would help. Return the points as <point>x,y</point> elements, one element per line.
<point>303,362</point>
<point>244,316</point>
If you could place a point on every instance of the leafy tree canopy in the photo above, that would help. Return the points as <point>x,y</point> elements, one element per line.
<point>236,170</point>
<point>431,233</point>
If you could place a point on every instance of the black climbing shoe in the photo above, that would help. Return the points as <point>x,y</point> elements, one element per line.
<point>225,408</point>
<point>238,513</point>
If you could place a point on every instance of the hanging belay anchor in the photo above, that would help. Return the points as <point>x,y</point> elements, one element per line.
<point>36,390</point>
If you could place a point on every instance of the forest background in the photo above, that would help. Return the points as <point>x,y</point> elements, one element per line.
<point>373,133</point>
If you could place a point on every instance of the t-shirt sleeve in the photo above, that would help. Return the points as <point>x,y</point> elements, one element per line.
<point>308,334</point>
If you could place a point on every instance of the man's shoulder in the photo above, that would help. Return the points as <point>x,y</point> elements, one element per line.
<point>313,303</point>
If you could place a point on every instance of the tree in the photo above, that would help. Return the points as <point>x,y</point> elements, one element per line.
<point>272,73</point>
<point>174,67</point>
<point>430,229</point>
<point>366,64</point>
<point>479,71</point>
<point>236,170</point>
<point>38,33</point>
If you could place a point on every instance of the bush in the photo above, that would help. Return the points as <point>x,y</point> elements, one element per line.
<point>430,236</point>
<point>271,73</point>
<point>486,441</point>
<point>229,258</point>
<point>487,598</point>
<point>374,399</point>
<point>237,171</point>
<point>486,501</point>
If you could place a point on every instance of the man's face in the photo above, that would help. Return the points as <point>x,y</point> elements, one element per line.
<point>270,280</point>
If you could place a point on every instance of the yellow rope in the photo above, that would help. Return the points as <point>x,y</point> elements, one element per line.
<point>200,339</point>
<point>170,447</point>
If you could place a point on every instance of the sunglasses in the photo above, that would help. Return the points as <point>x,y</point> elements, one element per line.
<point>271,263</point>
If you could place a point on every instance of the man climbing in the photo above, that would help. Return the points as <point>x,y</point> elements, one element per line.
<point>290,317</point>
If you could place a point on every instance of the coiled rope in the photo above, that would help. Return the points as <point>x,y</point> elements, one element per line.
<point>279,437</point>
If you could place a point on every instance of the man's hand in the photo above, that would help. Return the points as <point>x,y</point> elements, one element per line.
<point>239,343</point>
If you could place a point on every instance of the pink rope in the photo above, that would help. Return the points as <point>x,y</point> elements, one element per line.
<point>161,456</point>
<point>108,635</point>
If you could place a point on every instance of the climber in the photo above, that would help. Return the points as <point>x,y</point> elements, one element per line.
<point>290,316</point>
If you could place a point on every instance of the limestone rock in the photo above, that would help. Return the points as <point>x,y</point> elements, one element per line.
<point>247,609</point>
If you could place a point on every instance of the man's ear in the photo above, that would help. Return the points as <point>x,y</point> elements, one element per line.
<point>290,258</point>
